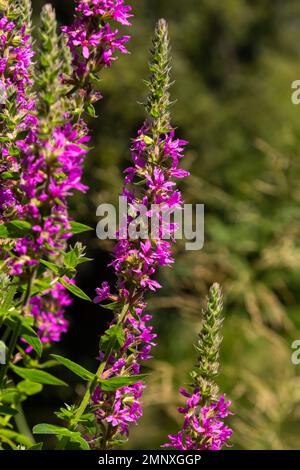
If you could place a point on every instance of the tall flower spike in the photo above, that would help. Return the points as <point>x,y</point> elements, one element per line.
<point>44,143</point>
<point>203,426</point>
<point>48,80</point>
<point>93,39</point>
<point>25,9</point>
<point>158,101</point>
<point>16,99</point>
<point>55,150</point>
<point>208,346</point>
<point>156,154</point>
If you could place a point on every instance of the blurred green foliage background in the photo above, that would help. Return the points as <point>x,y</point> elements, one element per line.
<point>234,63</point>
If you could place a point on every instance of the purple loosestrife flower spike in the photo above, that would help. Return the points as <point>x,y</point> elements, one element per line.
<point>62,137</point>
<point>44,142</point>
<point>205,410</point>
<point>36,156</point>
<point>93,40</point>
<point>16,99</point>
<point>50,88</point>
<point>43,155</point>
<point>59,148</point>
<point>156,154</point>
<point>92,37</point>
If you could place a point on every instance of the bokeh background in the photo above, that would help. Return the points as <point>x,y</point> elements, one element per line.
<point>234,63</point>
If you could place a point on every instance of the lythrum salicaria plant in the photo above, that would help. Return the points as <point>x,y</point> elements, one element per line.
<point>203,427</point>
<point>156,154</point>
<point>44,143</point>
<point>113,396</point>
<point>44,101</point>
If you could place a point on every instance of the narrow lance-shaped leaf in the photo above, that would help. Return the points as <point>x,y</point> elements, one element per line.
<point>38,376</point>
<point>77,228</point>
<point>60,431</point>
<point>75,368</point>
<point>75,290</point>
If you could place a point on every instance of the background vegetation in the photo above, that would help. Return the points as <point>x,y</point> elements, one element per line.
<point>234,63</point>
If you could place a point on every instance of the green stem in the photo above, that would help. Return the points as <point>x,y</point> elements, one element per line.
<point>12,345</point>
<point>16,331</point>
<point>29,287</point>
<point>22,424</point>
<point>82,407</point>
<point>7,303</point>
<point>6,335</point>
<point>85,401</point>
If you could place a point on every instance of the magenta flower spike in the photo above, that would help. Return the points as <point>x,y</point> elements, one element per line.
<point>45,140</point>
<point>93,38</point>
<point>156,154</point>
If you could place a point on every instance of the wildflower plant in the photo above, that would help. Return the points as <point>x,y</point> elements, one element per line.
<point>156,154</point>
<point>43,143</point>
<point>113,396</point>
<point>45,100</point>
<point>203,427</point>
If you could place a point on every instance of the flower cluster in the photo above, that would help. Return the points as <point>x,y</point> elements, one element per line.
<point>45,145</point>
<point>47,177</point>
<point>122,407</point>
<point>16,104</point>
<point>49,313</point>
<point>156,154</point>
<point>92,38</point>
<point>203,428</point>
<point>50,170</point>
<point>135,261</point>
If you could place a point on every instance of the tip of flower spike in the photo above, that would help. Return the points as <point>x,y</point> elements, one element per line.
<point>48,8</point>
<point>215,287</point>
<point>162,24</point>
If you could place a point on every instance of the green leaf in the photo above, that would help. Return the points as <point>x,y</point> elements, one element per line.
<point>74,257</point>
<point>110,385</point>
<point>110,306</point>
<point>147,139</point>
<point>84,259</point>
<point>29,388</point>
<point>76,368</point>
<point>3,231</point>
<point>33,340</point>
<point>53,267</point>
<point>75,290</point>
<point>71,259</point>
<point>40,285</point>
<point>76,228</point>
<point>37,446</point>
<point>45,365</point>
<point>21,225</point>
<point>12,320</point>
<point>15,229</point>
<point>15,436</point>
<point>26,332</point>
<point>8,298</point>
<point>7,410</point>
<point>10,175</point>
<point>45,428</point>
<point>115,334</point>
<point>38,376</point>
<point>91,111</point>
<point>9,395</point>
